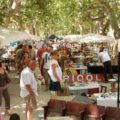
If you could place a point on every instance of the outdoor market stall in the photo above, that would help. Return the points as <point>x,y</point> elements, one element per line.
<point>89,47</point>
<point>84,60</point>
<point>8,41</point>
<point>10,35</point>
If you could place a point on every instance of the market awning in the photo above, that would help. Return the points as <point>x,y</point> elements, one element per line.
<point>10,35</point>
<point>72,38</point>
<point>91,37</point>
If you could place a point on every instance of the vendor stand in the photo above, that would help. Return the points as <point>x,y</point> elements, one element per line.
<point>106,99</point>
<point>99,69</point>
<point>88,88</point>
<point>85,61</point>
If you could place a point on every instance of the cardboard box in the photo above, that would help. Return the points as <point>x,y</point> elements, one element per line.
<point>63,92</point>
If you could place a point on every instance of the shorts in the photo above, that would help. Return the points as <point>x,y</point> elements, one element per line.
<point>30,101</point>
<point>54,86</point>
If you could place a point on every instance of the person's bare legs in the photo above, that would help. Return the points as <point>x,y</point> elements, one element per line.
<point>53,95</point>
<point>29,112</point>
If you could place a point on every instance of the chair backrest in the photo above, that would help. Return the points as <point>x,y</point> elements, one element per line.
<point>95,111</point>
<point>73,108</point>
<point>56,105</point>
<point>112,113</point>
<point>101,110</point>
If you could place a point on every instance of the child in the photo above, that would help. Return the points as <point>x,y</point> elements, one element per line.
<point>14,116</point>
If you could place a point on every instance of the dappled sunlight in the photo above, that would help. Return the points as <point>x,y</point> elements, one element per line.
<point>23,111</point>
<point>3,113</point>
<point>41,103</point>
<point>18,106</point>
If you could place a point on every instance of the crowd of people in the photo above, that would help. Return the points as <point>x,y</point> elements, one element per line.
<point>48,58</point>
<point>25,60</point>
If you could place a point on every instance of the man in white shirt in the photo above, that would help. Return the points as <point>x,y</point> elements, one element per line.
<point>46,66</point>
<point>28,86</point>
<point>106,60</point>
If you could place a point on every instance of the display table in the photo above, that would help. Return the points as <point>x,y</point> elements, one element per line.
<point>99,69</point>
<point>88,88</point>
<point>106,99</point>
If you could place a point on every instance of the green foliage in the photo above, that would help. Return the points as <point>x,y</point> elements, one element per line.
<point>60,16</point>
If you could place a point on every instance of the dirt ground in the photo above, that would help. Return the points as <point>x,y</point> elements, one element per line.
<point>17,103</point>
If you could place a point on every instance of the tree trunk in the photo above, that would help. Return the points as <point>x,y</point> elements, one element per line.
<point>13,7</point>
<point>112,17</point>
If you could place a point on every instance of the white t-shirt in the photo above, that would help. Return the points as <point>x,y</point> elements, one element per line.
<point>27,77</point>
<point>46,58</point>
<point>105,56</point>
<point>58,70</point>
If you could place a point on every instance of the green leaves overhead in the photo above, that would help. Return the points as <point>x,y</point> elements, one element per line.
<point>62,16</point>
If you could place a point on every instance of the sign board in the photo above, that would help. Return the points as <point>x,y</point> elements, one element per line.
<point>85,77</point>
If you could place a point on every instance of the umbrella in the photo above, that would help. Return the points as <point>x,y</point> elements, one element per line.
<point>95,38</point>
<point>10,35</point>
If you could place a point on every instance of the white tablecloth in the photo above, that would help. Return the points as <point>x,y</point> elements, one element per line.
<point>110,100</point>
<point>84,86</point>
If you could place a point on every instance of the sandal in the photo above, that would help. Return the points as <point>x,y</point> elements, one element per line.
<point>7,113</point>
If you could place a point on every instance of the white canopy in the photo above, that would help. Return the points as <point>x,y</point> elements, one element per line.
<point>10,35</point>
<point>72,38</point>
<point>91,37</point>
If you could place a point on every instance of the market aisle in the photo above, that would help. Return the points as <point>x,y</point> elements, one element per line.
<point>17,103</point>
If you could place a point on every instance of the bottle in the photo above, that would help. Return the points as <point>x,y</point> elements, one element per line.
<point>40,113</point>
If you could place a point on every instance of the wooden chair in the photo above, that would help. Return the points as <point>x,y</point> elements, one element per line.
<point>54,107</point>
<point>94,112</point>
<point>112,113</point>
<point>75,110</point>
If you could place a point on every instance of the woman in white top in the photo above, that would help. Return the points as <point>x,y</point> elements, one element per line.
<point>55,73</point>
<point>106,60</point>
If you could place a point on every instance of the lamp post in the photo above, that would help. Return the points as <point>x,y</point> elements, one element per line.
<point>118,97</point>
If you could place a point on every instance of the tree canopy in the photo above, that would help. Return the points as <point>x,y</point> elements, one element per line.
<point>61,16</point>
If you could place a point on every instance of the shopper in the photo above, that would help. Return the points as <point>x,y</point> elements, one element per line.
<point>106,60</point>
<point>14,116</point>
<point>40,51</point>
<point>46,60</point>
<point>28,87</point>
<point>25,59</point>
<point>4,80</point>
<point>19,55</point>
<point>55,73</point>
